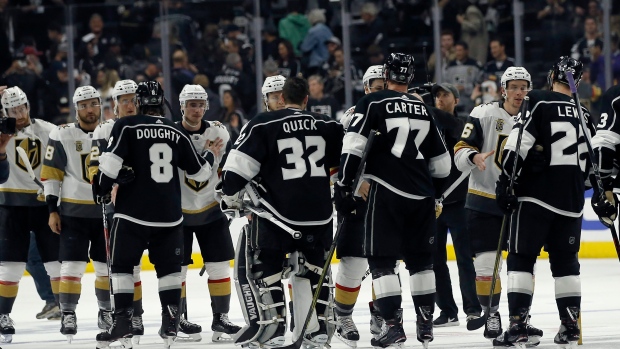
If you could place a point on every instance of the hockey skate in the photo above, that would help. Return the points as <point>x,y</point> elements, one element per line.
<point>376,321</point>
<point>104,320</point>
<point>169,325</point>
<point>493,327</point>
<point>137,328</point>
<point>190,329</point>
<point>49,310</point>
<point>120,330</point>
<point>424,326</point>
<point>317,339</point>
<point>222,325</point>
<point>346,331</point>
<point>568,335</point>
<point>68,325</point>
<point>533,334</point>
<point>516,334</point>
<point>392,333</point>
<point>6,329</point>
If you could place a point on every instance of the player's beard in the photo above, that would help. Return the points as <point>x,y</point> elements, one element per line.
<point>90,118</point>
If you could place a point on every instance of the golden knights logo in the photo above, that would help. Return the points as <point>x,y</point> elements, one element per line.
<point>33,150</point>
<point>499,126</point>
<point>85,158</point>
<point>78,146</point>
<point>499,149</point>
<point>195,186</point>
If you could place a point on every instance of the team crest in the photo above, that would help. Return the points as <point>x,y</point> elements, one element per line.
<point>78,146</point>
<point>499,125</point>
<point>499,149</point>
<point>33,150</point>
<point>195,186</point>
<point>85,164</point>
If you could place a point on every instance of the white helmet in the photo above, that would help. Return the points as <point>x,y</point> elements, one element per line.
<point>373,72</point>
<point>272,84</point>
<point>123,87</point>
<point>13,97</point>
<point>516,73</point>
<point>193,92</point>
<point>83,93</point>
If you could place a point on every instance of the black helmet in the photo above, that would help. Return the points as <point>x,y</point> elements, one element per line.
<point>398,67</point>
<point>557,73</point>
<point>150,94</point>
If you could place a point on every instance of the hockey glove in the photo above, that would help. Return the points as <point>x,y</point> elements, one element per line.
<point>99,196</point>
<point>125,175</point>
<point>438,208</point>
<point>344,200</point>
<point>536,160</point>
<point>506,201</point>
<point>606,207</point>
<point>229,203</point>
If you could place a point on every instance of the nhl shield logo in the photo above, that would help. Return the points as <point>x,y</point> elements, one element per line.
<point>571,240</point>
<point>78,146</point>
<point>33,150</point>
<point>499,126</point>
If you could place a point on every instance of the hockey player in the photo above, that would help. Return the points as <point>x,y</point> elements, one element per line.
<point>483,137</point>
<point>353,263</point>
<point>124,97</point>
<point>20,211</point>
<point>272,92</point>
<point>407,161</point>
<point>77,218</point>
<point>546,208</point>
<point>290,153</point>
<point>202,215</point>
<point>143,155</point>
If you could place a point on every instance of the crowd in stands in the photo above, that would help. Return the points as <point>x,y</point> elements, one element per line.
<point>211,44</point>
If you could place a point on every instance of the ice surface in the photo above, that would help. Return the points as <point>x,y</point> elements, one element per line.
<point>601,312</point>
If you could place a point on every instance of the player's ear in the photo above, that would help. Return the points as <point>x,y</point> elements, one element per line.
<point>456,101</point>
<point>305,102</point>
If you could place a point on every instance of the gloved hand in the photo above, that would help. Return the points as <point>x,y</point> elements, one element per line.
<point>125,175</point>
<point>229,203</point>
<point>536,160</point>
<point>344,200</point>
<point>99,196</point>
<point>605,207</point>
<point>438,208</point>
<point>506,201</point>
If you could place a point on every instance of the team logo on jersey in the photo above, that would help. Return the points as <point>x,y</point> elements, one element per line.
<point>85,158</point>
<point>499,149</point>
<point>195,186</point>
<point>33,150</point>
<point>499,125</point>
<point>571,240</point>
<point>218,124</point>
<point>78,146</point>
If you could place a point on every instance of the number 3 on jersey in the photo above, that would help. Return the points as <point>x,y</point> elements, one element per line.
<point>160,155</point>
<point>405,125</point>
<point>296,157</point>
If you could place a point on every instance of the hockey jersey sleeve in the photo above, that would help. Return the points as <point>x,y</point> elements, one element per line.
<point>111,161</point>
<point>245,159</point>
<point>531,129</point>
<point>472,140</point>
<point>607,137</point>
<point>196,167</point>
<point>4,170</point>
<point>355,140</point>
<point>100,144</point>
<point>54,164</point>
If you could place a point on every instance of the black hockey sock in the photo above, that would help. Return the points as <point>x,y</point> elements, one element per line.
<point>427,300</point>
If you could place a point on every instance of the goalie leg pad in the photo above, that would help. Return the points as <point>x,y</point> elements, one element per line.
<point>261,298</point>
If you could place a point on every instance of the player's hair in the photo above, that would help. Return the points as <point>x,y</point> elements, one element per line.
<point>501,41</point>
<point>295,90</point>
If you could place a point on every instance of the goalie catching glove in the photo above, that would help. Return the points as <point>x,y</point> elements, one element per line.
<point>229,203</point>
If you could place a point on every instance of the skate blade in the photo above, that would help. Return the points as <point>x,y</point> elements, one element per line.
<point>350,343</point>
<point>532,341</point>
<point>425,344</point>
<point>393,345</point>
<point>569,345</point>
<point>6,338</point>
<point>274,342</point>
<point>69,338</point>
<point>520,345</point>
<point>218,337</point>
<point>136,339</point>
<point>194,337</point>
<point>168,341</point>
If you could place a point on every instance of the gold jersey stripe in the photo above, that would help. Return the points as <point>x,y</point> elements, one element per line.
<point>201,209</point>
<point>219,288</point>
<point>14,190</point>
<point>79,202</point>
<point>52,173</point>
<point>481,193</point>
<point>460,145</point>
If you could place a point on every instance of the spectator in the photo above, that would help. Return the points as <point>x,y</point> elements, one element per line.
<point>313,45</point>
<point>554,19</point>
<point>56,37</point>
<point>271,41</point>
<point>581,49</point>
<point>294,26</point>
<point>106,79</point>
<point>208,55</point>
<point>86,54</point>
<point>232,115</point>
<point>288,64</point>
<point>335,82</point>
<point>595,11</point>
<point>447,51</point>
<point>56,98</point>
<point>597,68</point>
<point>332,45</point>
<point>494,69</point>
<point>374,56</point>
<point>97,36</point>
<point>463,72</point>
<point>24,73</point>
<point>233,77</point>
<point>371,32</point>
<point>214,111</point>
<point>320,102</point>
<point>114,59</point>
<point>474,32</point>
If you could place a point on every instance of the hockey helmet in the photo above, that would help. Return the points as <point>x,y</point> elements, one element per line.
<point>83,93</point>
<point>193,92</point>
<point>398,67</point>
<point>373,72</point>
<point>123,87</point>
<point>13,97</point>
<point>558,72</point>
<point>516,73</point>
<point>272,84</point>
<point>150,94</point>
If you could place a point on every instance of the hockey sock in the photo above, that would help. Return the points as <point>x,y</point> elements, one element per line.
<point>219,285</point>
<point>567,293</point>
<point>388,292</point>
<point>183,286</point>
<point>10,274</point>
<point>484,265</point>
<point>122,284</point>
<point>422,286</point>
<point>170,289</point>
<point>71,273</point>
<point>520,290</point>
<point>137,292</point>
<point>348,283</point>
<point>102,285</point>
<point>53,270</point>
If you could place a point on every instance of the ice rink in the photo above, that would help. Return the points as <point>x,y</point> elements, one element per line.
<point>601,310</point>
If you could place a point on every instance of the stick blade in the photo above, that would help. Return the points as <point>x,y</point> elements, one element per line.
<point>475,324</point>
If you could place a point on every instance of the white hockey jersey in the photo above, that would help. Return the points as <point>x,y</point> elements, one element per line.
<point>65,171</point>
<point>486,129</point>
<point>20,189</point>
<point>101,136</point>
<point>198,198</point>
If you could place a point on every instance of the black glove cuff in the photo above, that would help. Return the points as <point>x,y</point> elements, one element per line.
<point>52,203</point>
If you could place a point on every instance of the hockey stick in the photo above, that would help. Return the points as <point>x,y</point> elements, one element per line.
<point>454,185</point>
<point>332,249</point>
<point>106,234</point>
<point>24,157</point>
<point>255,200</point>
<point>475,324</point>
<point>597,174</point>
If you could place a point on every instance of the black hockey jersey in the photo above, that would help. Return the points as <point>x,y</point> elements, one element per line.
<point>554,124</point>
<point>294,153</point>
<point>407,152</point>
<point>607,138</point>
<point>155,149</point>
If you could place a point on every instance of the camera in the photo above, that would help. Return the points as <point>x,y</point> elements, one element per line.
<point>7,126</point>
